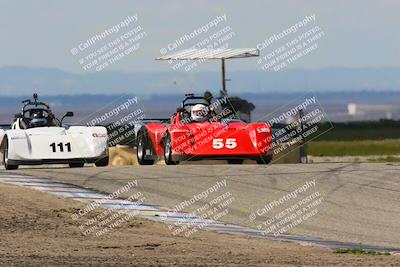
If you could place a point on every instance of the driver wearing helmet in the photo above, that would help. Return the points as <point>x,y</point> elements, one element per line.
<point>38,119</point>
<point>200,113</point>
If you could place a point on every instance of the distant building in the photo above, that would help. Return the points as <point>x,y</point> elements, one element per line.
<point>372,111</point>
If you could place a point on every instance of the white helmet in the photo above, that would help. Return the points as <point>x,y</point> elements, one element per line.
<point>199,113</point>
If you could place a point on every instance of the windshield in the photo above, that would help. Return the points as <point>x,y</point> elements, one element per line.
<point>37,117</point>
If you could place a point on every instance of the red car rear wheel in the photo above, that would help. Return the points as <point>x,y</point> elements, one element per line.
<point>142,147</point>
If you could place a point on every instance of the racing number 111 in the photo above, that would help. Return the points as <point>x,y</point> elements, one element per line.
<point>61,146</point>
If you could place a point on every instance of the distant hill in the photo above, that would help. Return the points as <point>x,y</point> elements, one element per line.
<point>163,105</point>
<point>24,80</point>
<point>161,92</point>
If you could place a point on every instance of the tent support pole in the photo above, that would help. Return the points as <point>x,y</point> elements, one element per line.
<point>224,92</point>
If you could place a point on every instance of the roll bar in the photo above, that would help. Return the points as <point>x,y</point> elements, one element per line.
<point>33,103</point>
<point>192,96</point>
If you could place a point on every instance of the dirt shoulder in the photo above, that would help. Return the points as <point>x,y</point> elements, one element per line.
<point>36,229</point>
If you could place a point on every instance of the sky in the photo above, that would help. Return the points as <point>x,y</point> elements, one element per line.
<point>356,34</point>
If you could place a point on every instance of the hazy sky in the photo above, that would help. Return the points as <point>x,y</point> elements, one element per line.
<point>360,33</point>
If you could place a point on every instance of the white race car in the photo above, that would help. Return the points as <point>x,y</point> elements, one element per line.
<point>37,137</point>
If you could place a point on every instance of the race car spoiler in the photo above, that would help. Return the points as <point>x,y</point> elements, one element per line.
<point>5,126</point>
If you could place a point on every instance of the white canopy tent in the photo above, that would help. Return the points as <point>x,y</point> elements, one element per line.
<point>208,54</point>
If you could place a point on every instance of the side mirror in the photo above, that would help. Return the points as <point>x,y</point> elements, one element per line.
<point>17,116</point>
<point>68,114</point>
<point>180,109</point>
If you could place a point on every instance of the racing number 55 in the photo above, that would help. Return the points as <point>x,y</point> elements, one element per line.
<point>61,146</point>
<point>230,143</point>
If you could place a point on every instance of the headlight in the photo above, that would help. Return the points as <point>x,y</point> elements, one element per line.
<point>263,130</point>
<point>99,135</point>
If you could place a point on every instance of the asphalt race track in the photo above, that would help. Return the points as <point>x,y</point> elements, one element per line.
<point>360,200</point>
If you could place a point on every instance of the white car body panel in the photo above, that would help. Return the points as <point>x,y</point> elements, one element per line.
<point>48,144</point>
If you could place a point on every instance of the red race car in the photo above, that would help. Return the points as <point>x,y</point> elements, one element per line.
<point>203,130</point>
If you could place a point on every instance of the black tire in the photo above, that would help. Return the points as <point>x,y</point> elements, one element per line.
<point>142,146</point>
<point>168,151</point>
<point>77,165</point>
<point>5,156</point>
<point>235,161</point>
<point>103,162</point>
<point>264,159</point>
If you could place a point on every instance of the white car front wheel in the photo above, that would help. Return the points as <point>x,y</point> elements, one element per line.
<point>5,157</point>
